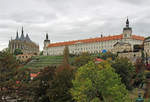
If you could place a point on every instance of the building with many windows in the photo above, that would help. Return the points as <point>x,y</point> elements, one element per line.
<point>93,45</point>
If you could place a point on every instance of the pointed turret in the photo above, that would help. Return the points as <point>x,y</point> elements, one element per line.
<point>127,31</point>
<point>27,38</point>
<point>22,32</point>
<point>46,36</point>
<point>22,35</point>
<point>127,23</point>
<point>17,37</point>
<point>46,41</point>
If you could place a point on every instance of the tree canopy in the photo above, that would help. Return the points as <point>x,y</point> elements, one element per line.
<point>107,55</point>
<point>126,70</point>
<point>8,68</point>
<point>82,59</point>
<point>96,83</point>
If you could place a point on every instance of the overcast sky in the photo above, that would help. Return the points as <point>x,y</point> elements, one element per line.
<point>66,20</point>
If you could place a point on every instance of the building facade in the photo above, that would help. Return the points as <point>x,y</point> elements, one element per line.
<point>93,45</point>
<point>24,43</point>
<point>121,47</point>
<point>147,46</point>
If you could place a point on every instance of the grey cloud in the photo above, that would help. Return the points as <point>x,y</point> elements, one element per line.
<point>136,2</point>
<point>71,19</point>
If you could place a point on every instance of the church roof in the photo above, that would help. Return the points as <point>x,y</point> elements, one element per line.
<point>91,40</point>
<point>17,37</point>
<point>22,37</point>
<point>27,38</point>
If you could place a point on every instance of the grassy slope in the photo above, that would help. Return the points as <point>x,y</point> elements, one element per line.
<point>40,62</point>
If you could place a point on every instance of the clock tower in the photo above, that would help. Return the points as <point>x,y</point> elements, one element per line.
<point>127,31</point>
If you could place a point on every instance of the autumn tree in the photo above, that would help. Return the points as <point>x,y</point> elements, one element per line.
<point>139,70</point>
<point>8,67</point>
<point>53,83</point>
<point>82,59</point>
<point>23,80</point>
<point>59,87</point>
<point>61,84</point>
<point>98,83</point>
<point>66,55</point>
<point>39,85</point>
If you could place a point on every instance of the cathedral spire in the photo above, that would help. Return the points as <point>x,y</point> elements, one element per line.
<point>22,32</point>
<point>22,35</point>
<point>127,23</point>
<point>17,37</point>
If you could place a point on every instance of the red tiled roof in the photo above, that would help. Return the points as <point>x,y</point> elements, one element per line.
<point>34,74</point>
<point>137,37</point>
<point>98,39</point>
<point>99,60</point>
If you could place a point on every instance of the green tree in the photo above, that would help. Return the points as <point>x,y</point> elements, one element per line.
<point>41,53</point>
<point>18,51</point>
<point>126,70</point>
<point>98,83</point>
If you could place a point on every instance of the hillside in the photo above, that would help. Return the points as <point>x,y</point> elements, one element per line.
<point>40,62</point>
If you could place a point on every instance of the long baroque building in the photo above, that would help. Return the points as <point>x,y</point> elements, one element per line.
<point>24,43</point>
<point>93,45</point>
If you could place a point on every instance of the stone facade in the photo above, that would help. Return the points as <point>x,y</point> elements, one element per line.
<point>121,47</point>
<point>147,46</point>
<point>24,43</point>
<point>24,57</point>
<point>132,56</point>
<point>94,45</point>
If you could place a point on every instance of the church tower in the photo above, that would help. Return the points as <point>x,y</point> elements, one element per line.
<point>46,41</point>
<point>127,31</point>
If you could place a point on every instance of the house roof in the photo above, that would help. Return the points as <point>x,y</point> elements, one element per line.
<point>99,59</point>
<point>34,74</point>
<point>91,40</point>
<point>138,37</point>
